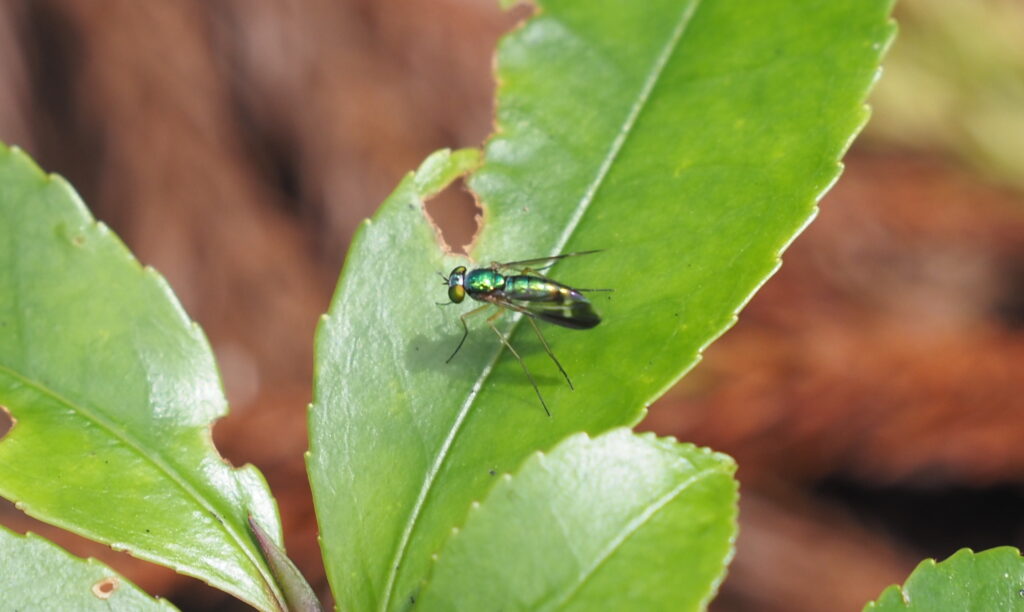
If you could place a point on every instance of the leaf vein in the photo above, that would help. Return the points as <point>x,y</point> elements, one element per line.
<point>631,528</point>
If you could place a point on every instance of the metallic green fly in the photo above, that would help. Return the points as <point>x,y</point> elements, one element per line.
<point>527,291</point>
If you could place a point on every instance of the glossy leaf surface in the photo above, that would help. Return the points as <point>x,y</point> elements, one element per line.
<point>965,582</point>
<point>690,140</point>
<point>540,542</point>
<point>36,574</point>
<point>113,390</point>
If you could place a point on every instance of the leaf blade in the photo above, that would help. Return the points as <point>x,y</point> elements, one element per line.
<point>686,157</point>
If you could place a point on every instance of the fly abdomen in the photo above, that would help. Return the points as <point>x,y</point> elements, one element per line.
<point>552,302</point>
<point>534,289</point>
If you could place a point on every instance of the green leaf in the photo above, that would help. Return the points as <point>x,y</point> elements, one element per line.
<point>688,139</point>
<point>539,542</point>
<point>113,390</point>
<point>965,582</point>
<point>36,574</point>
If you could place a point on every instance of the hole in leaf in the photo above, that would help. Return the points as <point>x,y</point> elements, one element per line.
<point>6,421</point>
<point>455,214</point>
<point>106,587</point>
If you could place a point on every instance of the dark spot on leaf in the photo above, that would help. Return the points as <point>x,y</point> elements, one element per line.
<point>106,587</point>
<point>492,472</point>
<point>78,240</point>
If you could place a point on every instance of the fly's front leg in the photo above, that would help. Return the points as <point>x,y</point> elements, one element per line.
<point>490,321</point>
<point>465,328</point>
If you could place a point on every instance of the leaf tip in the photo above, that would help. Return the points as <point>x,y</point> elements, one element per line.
<point>298,595</point>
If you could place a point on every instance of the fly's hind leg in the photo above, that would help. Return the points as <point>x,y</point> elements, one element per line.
<point>465,329</point>
<point>490,322</point>
<point>547,348</point>
<point>537,329</point>
<point>529,317</point>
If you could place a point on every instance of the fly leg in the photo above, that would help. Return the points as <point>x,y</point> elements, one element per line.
<point>547,348</point>
<point>465,328</point>
<point>490,321</point>
<point>536,328</point>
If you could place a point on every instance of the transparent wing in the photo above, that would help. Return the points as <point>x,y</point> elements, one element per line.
<point>577,314</point>
<point>542,260</point>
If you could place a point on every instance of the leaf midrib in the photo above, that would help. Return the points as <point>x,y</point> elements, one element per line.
<point>581,208</point>
<point>173,475</point>
<point>627,532</point>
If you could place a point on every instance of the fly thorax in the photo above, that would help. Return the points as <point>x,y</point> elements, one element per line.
<point>484,281</point>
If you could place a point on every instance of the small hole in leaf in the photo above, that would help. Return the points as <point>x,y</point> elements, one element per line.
<point>456,216</point>
<point>106,587</point>
<point>6,421</point>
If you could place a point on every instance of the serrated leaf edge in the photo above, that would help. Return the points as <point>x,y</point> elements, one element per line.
<point>931,564</point>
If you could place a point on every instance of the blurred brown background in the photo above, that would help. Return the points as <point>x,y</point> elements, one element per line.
<point>871,392</point>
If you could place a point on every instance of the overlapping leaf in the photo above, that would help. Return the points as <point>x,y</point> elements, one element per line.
<point>965,582</point>
<point>113,390</point>
<point>540,542</point>
<point>37,575</point>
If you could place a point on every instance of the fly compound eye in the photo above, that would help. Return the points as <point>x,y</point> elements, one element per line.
<point>456,293</point>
